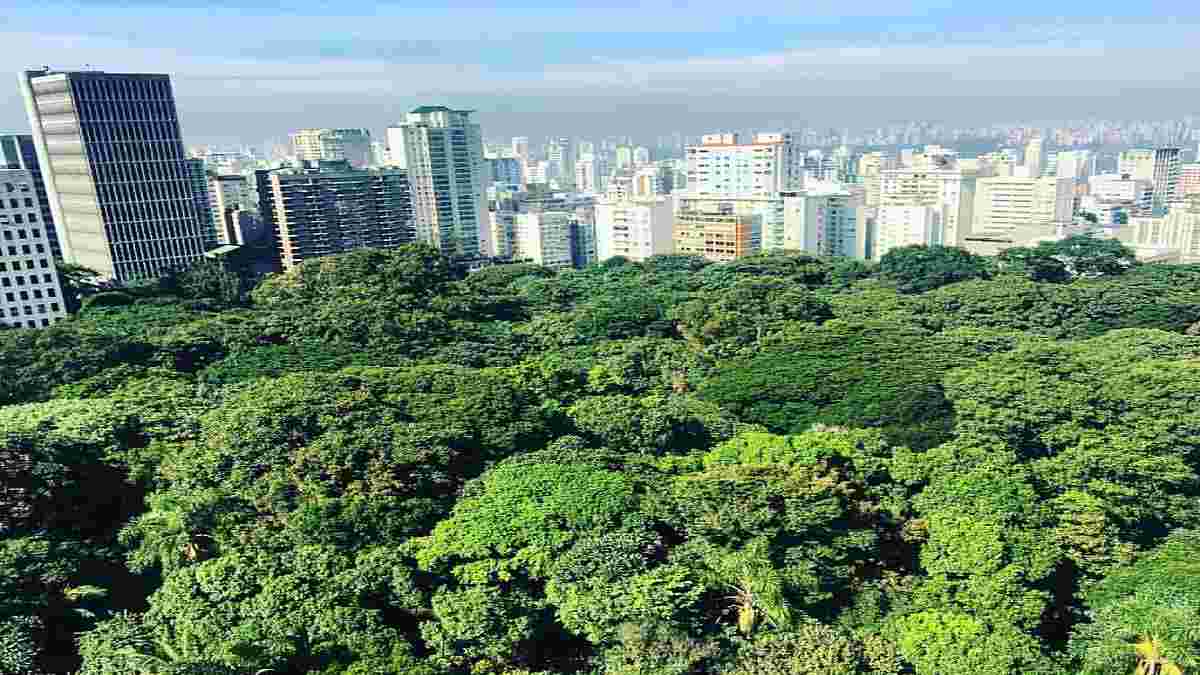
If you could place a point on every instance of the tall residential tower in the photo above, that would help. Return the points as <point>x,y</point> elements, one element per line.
<point>444,152</point>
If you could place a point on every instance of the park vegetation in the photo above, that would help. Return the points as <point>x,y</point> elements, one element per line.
<point>940,464</point>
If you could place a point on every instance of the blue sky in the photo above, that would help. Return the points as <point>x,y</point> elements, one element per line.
<point>246,71</point>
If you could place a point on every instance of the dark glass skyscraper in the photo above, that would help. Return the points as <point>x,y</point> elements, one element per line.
<point>116,177</point>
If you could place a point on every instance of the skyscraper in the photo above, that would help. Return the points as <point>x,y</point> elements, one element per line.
<point>116,175</point>
<point>352,145</point>
<point>444,150</point>
<point>17,151</point>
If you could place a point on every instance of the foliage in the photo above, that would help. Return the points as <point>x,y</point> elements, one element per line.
<point>784,464</point>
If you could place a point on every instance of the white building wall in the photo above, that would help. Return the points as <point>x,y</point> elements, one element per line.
<point>30,292</point>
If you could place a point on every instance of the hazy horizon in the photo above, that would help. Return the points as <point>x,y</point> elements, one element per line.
<point>244,73</point>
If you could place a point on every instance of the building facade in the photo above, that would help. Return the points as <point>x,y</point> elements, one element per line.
<point>635,230</point>
<point>444,151</point>
<point>899,226</point>
<point>331,145</point>
<point>1166,179</point>
<point>325,208</point>
<point>1004,204</point>
<point>17,151</point>
<point>117,179</point>
<point>722,229</point>
<point>545,238</point>
<point>30,293</point>
<point>949,189</point>
<point>723,166</point>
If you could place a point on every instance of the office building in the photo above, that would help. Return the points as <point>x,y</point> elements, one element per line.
<point>30,294</point>
<point>117,179</point>
<point>444,150</point>
<point>635,230</point>
<point>1165,178</point>
<point>723,229</point>
<point>17,151</point>
<point>331,145</point>
<point>949,189</point>
<point>561,156</point>
<point>322,208</point>
<point>1006,206</point>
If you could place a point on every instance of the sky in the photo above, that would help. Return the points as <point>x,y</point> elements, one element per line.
<point>248,71</point>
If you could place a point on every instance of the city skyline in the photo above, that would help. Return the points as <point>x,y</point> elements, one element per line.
<point>641,69</point>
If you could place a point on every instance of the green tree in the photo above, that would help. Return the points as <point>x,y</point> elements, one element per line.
<point>919,268</point>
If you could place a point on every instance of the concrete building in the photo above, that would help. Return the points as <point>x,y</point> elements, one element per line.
<point>624,158</point>
<point>949,189</point>
<point>117,179</point>
<point>504,170</point>
<point>591,174</point>
<point>324,208</point>
<point>641,156</point>
<point>1004,204</point>
<point>635,230</point>
<point>1189,181</point>
<point>444,151</point>
<point>723,229</point>
<point>396,157</point>
<point>30,293</point>
<point>722,166</point>
<point>1137,164</point>
<point>330,145</point>
<point>1173,237</point>
<point>1033,156</point>
<point>1166,179</point>
<point>898,226</point>
<point>1136,194</point>
<point>17,151</point>
<point>544,238</point>
<point>1074,164</point>
<point>648,182</point>
<point>822,223</point>
<point>232,202</point>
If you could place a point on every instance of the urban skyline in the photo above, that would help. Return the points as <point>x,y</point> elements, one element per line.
<point>650,68</point>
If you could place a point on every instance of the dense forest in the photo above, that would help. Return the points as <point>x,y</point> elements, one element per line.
<point>940,464</point>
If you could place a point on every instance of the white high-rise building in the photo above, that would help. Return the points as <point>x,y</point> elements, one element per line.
<point>641,156</point>
<point>1033,156</point>
<point>591,174</point>
<point>722,166</point>
<point>1075,164</point>
<point>1172,237</point>
<point>230,198</point>
<point>950,190</point>
<point>352,145</point>
<point>1008,205</point>
<point>543,238</point>
<point>898,226</point>
<point>819,222</point>
<point>30,293</point>
<point>444,156</point>
<point>1134,194</point>
<point>395,155</point>
<point>1137,164</point>
<point>633,229</point>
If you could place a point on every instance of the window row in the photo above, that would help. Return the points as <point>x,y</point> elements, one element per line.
<point>17,218</point>
<point>26,249</point>
<point>29,309</point>
<point>29,324</point>
<point>7,282</point>
<point>16,265</point>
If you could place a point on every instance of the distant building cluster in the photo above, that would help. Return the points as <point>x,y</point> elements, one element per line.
<point>103,181</point>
